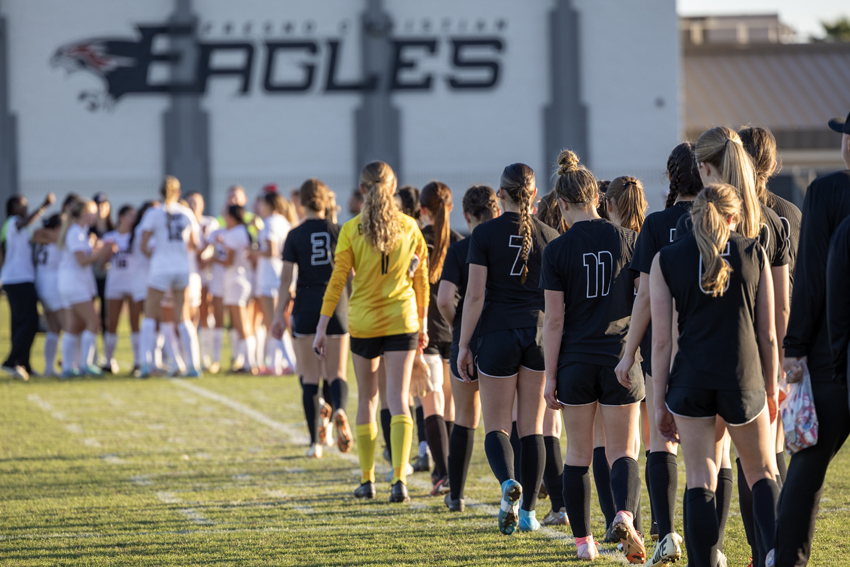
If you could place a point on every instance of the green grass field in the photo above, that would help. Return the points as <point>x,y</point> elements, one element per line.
<point>118,471</point>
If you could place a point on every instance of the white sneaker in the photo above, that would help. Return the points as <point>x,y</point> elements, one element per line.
<point>315,451</point>
<point>667,550</point>
<point>588,551</point>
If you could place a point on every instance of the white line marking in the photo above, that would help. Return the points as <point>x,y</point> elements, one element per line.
<point>74,427</point>
<point>34,398</point>
<point>112,459</point>
<point>91,442</point>
<point>190,513</point>
<point>141,480</point>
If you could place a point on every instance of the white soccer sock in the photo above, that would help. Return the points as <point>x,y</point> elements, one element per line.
<point>110,341</point>
<point>70,351</point>
<point>251,351</point>
<point>205,339</point>
<point>172,347</point>
<point>134,340</point>
<point>147,342</point>
<point>235,347</point>
<point>289,352</point>
<point>75,353</point>
<point>217,340</point>
<point>87,341</point>
<point>51,342</point>
<point>274,350</point>
<point>189,339</point>
<point>260,335</point>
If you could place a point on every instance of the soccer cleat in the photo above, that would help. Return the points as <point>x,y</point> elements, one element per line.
<point>609,535</point>
<point>325,431</point>
<point>721,559</point>
<point>528,521</point>
<point>441,486</point>
<point>192,373</point>
<point>315,451</point>
<point>587,550</point>
<point>93,370</point>
<point>144,371</point>
<point>111,367</point>
<point>344,438</point>
<point>558,518</point>
<point>509,508</point>
<point>633,546</point>
<point>17,372</point>
<point>653,531</point>
<point>72,373</point>
<point>458,505</point>
<point>399,493</point>
<point>214,368</point>
<point>422,463</point>
<point>542,494</point>
<point>668,550</point>
<point>365,490</point>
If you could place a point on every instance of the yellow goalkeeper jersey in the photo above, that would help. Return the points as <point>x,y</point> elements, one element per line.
<point>389,292</point>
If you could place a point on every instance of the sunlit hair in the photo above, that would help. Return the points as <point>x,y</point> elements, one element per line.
<point>481,202</point>
<point>627,194</point>
<point>714,204</point>
<point>170,189</point>
<point>276,203</point>
<point>549,212</point>
<point>380,218</point>
<point>682,173</point>
<point>761,146</point>
<point>314,195</point>
<point>722,148</point>
<point>574,183</point>
<point>75,211</point>
<point>436,198</point>
<point>519,184</point>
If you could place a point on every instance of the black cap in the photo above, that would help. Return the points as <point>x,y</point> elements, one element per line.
<point>100,198</point>
<point>841,126</point>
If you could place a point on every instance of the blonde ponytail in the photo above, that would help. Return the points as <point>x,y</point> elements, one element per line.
<point>711,208</point>
<point>73,215</point>
<point>380,218</point>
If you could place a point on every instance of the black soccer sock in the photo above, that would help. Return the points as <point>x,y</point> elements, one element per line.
<point>326,391</point>
<point>339,394</point>
<point>386,426</point>
<point>517,447</point>
<point>576,491</point>
<point>533,463</point>
<point>625,484</point>
<point>438,441</point>
<point>765,497</point>
<point>685,533</point>
<point>420,424</point>
<point>663,476</point>
<point>701,527</point>
<point>723,500</point>
<point>745,501</point>
<point>500,455</point>
<point>450,425</point>
<point>310,399</point>
<point>460,453</point>
<point>602,479</point>
<point>552,472</point>
<point>648,488</point>
<point>783,468</point>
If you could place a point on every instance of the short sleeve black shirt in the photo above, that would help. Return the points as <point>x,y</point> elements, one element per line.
<point>658,231</point>
<point>590,264</point>
<point>791,218</point>
<point>311,247</point>
<point>456,271</point>
<point>438,328</point>
<point>509,303</point>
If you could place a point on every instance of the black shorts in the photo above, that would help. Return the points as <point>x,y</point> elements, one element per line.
<point>444,349</point>
<point>455,349</point>
<point>306,312</point>
<point>376,346</point>
<point>580,384</point>
<point>306,323</point>
<point>501,353</point>
<point>736,407</point>
<point>646,351</point>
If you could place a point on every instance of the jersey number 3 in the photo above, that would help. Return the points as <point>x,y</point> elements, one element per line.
<point>600,267</point>
<point>321,255</point>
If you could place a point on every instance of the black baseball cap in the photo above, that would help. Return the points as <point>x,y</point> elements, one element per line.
<point>100,197</point>
<point>840,126</point>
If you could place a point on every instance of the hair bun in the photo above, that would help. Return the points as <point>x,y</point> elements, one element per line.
<point>567,162</point>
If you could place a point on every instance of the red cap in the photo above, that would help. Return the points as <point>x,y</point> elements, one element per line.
<point>270,188</point>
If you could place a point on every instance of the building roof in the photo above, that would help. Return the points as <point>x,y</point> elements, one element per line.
<point>793,89</point>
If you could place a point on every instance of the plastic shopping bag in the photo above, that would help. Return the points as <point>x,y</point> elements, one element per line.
<point>798,415</point>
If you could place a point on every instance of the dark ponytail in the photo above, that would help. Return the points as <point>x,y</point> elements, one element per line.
<point>518,182</point>
<point>145,206</point>
<point>238,213</point>
<point>436,197</point>
<point>683,173</point>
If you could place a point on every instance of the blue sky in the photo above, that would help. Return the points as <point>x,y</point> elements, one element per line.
<point>804,16</point>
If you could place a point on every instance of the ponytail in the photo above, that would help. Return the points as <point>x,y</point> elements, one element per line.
<point>712,207</point>
<point>380,218</point>
<point>518,182</point>
<point>761,146</point>
<point>627,193</point>
<point>73,215</point>
<point>436,197</point>
<point>683,174</point>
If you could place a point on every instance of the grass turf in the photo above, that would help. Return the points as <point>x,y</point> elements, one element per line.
<point>118,471</point>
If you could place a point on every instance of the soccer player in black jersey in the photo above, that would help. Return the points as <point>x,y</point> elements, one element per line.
<point>589,294</point>
<point>310,246</point>
<point>721,284</point>
<point>807,345</point>
<point>657,232</point>
<point>504,259</point>
<point>479,205</point>
<point>435,206</point>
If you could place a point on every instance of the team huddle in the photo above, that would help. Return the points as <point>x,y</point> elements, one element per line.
<point>570,311</point>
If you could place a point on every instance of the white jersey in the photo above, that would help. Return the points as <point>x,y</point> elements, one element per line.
<point>74,278</point>
<point>119,278</point>
<point>173,226</point>
<point>18,267</point>
<point>208,225</point>
<point>47,276</point>
<point>238,240</point>
<point>275,229</point>
<point>141,264</point>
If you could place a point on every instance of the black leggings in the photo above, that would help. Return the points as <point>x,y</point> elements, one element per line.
<point>801,493</point>
<point>23,304</point>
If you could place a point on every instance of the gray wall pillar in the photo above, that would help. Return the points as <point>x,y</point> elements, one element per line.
<point>8,125</point>
<point>565,119</point>
<point>185,124</point>
<point>377,127</point>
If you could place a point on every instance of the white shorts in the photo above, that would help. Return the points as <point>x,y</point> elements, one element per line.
<point>72,292</point>
<point>237,292</point>
<point>435,365</point>
<point>47,289</point>
<point>267,289</point>
<point>165,282</point>
<point>216,284</point>
<point>118,287</point>
<point>194,294</point>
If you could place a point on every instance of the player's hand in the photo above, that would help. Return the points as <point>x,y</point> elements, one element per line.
<point>622,370</point>
<point>773,405</point>
<point>319,343</point>
<point>278,327</point>
<point>423,340</point>
<point>550,396</point>
<point>49,200</point>
<point>666,424</point>
<point>464,363</point>
<point>793,368</point>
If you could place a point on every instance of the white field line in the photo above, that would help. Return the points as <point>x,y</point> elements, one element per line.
<point>298,437</point>
<point>190,513</point>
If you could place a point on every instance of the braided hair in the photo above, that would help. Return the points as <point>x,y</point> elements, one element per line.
<point>683,173</point>
<point>518,183</point>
